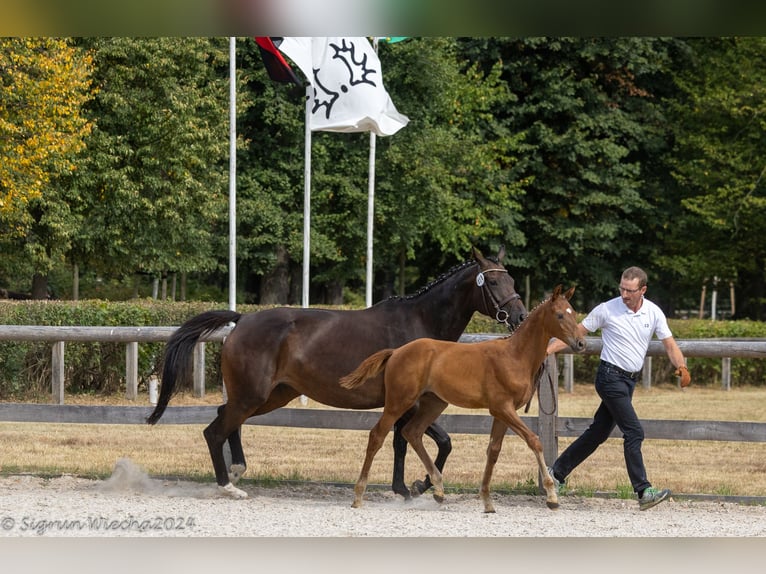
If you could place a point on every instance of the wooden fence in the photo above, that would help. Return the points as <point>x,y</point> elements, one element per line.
<point>547,424</point>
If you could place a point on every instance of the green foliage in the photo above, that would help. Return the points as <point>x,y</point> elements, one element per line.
<point>44,83</point>
<point>581,155</point>
<point>718,124</point>
<point>152,184</point>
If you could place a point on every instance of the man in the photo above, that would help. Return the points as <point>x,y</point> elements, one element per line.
<point>627,325</point>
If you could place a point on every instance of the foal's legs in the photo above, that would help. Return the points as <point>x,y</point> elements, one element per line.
<point>429,410</point>
<point>496,436</point>
<point>378,434</point>
<point>508,415</point>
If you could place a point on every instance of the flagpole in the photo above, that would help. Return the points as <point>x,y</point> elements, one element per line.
<point>370,217</point>
<point>307,199</point>
<point>232,174</point>
<point>370,207</point>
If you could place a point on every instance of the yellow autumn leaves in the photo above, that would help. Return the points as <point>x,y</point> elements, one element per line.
<point>44,82</point>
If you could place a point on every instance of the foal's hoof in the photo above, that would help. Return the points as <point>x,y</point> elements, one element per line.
<point>439,498</point>
<point>235,472</point>
<point>552,505</point>
<point>232,491</point>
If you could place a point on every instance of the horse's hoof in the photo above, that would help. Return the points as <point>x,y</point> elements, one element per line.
<point>489,510</point>
<point>232,491</point>
<point>235,472</point>
<point>439,498</point>
<point>356,504</point>
<point>552,505</point>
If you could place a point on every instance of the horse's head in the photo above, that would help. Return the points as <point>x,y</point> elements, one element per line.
<point>498,290</point>
<point>561,319</point>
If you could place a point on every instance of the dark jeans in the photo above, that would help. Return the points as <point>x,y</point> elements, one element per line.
<point>616,409</point>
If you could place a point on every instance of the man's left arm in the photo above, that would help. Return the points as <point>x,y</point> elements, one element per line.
<point>677,358</point>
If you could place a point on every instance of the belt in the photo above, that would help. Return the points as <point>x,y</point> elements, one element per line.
<point>629,374</point>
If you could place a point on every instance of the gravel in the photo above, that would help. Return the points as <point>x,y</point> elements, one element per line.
<point>132,504</point>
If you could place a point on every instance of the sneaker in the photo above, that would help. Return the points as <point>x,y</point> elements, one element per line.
<point>559,486</point>
<point>652,497</point>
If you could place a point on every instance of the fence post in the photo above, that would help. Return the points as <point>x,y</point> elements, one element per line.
<point>726,373</point>
<point>57,372</point>
<point>569,373</point>
<point>131,371</point>
<point>646,374</point>
<point>547,402</point>
<point>199,369</point>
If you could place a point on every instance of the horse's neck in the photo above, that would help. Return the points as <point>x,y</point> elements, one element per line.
<point>443,310</point>
<point>531,340</point>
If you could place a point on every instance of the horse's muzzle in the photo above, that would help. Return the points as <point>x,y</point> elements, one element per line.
<point>578,345</point>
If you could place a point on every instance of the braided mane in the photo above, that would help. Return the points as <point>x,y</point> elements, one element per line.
<point>440,279</point>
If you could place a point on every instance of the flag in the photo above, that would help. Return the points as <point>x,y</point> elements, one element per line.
<point>348,92</point>
<point>276,65</point>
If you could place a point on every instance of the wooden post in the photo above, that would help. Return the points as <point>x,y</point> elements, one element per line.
<point>57,372</point>
<point>726,373</point>
<point>547,401</point>
<point>646,374</point>
<point>199,370</point>
<point>569,373</point>
<point>131,371</point>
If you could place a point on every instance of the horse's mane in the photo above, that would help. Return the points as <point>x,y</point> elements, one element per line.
<point>441,278</point>
<point>529,316</point>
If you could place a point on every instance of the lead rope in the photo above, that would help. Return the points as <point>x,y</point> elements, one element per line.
<point>539,376</point>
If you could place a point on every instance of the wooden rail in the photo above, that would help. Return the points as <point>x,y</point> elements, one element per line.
<point>547,424</point>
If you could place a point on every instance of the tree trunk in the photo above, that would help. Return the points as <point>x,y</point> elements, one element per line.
<point>275,287</point>
<point>39,286</point>
<point>335,293</point>
<point>183,286</point>
<point>75,282</point>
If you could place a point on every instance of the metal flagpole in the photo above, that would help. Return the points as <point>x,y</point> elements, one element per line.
<point>307,200</point>
<point>232,175</point>
<point>370,216</point>
<point>370,207</point>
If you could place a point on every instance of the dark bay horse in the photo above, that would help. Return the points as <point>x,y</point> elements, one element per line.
<point>276,355</point>
<point>498,375</point>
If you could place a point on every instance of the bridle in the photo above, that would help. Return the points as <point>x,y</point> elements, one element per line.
<point>501,315</point>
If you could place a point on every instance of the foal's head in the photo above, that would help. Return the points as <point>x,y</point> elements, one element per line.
<point>561,319</point>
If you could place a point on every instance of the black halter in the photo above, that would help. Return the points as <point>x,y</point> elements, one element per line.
<point>501,315</point>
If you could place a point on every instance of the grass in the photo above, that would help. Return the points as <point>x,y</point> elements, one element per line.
<point>275,454</point>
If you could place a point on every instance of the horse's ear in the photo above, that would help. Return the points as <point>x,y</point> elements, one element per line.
<point>476,253</point>
<point>570,292</point>
<point>556,292</point>
<point>501,254</point>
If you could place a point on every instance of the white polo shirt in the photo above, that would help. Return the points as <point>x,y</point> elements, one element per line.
<point>625,334</point>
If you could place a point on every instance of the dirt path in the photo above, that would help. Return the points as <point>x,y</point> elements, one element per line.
<point>132,504</point>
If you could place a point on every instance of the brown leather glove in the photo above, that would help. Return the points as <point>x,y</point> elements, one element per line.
<point>686,378</point>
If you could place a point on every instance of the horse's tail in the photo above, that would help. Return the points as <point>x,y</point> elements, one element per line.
<point>370,367</point>
<point>178,352</point>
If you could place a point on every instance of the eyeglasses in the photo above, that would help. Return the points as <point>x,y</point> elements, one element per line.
<point>630,291</point>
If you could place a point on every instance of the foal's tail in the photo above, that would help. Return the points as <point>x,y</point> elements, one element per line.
<point>178,352</point>
<point>370,367</point>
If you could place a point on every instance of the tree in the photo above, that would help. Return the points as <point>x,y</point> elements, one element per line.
<point>588,119</point>
<point>444,182</point>
<point>720,129</point>
<point>152,185</point>
<point>43,85</point>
